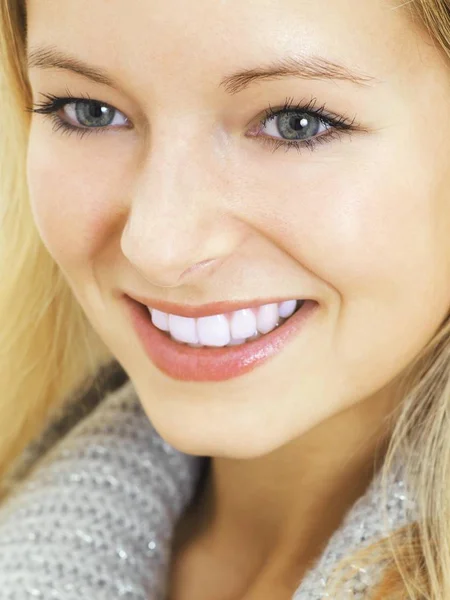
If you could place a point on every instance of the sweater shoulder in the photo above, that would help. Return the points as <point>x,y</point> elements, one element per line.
<point>95,510</point>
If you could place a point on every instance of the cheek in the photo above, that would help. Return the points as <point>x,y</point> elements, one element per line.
<point>373,231</point>
<point>357,228</point>
<point>74,201</point>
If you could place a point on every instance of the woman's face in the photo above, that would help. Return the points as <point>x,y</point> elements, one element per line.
<point>182,170</point>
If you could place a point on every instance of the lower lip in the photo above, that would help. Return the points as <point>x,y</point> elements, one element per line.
<point>184,363</point>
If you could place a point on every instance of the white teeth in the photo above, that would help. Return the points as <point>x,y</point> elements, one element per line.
<point>214,330</point>
<point>235,342</point>
<point>160,319</point>
<point>243,323</point>
<point>287,309</point>
<point>267,318</point>
<point>254,337</point>
<point>231,329</point>
<point>183,329</point>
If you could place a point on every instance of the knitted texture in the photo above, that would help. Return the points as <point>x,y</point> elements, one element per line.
<point>95,517</point>
<point>364,524</point>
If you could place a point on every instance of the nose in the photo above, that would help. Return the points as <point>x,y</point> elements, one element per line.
<point>178,227</point>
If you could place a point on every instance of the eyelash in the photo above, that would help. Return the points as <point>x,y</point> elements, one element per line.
<point>337,124</point>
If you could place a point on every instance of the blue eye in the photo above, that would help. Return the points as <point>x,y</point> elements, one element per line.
<point>301,126</point>
<point>82,115</point>
<point>294,125</point>
<point>91,113</point>
<point>291,127</point>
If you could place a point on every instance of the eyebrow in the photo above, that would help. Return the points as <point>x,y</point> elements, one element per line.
<point>311,67</point>
<point>49,57</point>
<point>305,67</point>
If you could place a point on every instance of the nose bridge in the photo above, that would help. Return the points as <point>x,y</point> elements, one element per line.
<point>174,221</point>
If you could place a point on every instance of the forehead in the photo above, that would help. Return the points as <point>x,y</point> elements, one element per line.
<point>188,40</point>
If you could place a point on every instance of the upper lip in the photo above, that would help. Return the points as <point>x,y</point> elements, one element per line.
<point>204,310</point>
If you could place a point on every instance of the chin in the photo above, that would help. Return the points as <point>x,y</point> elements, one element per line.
<point>235,439</point>
<point>232,425</point>
<point>245,449</point>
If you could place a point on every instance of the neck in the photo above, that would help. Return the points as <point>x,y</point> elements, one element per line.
<point>280,509</point>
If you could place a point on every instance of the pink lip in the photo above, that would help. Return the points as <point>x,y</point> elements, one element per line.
<point>184,363</point>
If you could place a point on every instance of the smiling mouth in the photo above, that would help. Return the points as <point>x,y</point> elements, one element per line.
<point>227,329</point>
<point>221,362</point>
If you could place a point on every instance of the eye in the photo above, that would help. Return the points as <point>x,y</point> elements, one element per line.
<point>294,125</point>
<point>93,113</point>
<point>304,125</point>
<point>82,116</point>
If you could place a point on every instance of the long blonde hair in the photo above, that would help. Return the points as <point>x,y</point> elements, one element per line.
<point>48,348</point>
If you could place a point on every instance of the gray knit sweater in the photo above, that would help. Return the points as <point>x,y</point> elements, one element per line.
<point>94,516</point>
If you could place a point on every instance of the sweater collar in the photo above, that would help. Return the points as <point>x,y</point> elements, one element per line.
<point>96,516</point>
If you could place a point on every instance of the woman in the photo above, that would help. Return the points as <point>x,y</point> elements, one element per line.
<point>278,317</point>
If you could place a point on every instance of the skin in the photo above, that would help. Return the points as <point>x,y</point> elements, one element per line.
<point>359,225</point>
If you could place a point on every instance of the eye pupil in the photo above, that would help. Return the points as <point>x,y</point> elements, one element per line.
<point>96,110</point>
<point>298,123</point>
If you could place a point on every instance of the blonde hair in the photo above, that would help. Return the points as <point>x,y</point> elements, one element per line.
<point>48,348</point>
